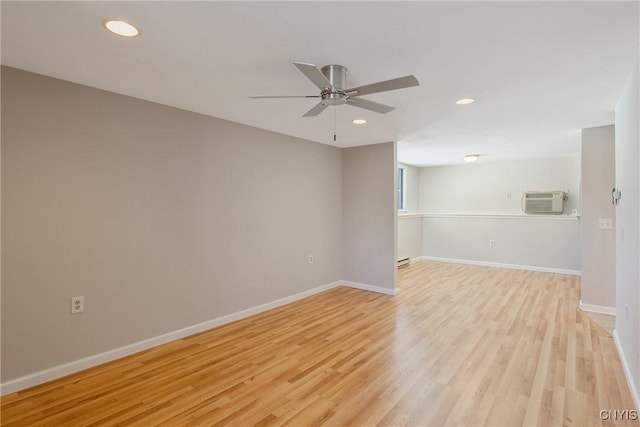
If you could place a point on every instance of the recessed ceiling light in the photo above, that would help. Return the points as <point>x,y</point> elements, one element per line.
<point>359,121</point>
<point>470,158</point>
<point>121,28</point>
<point>465,101</point>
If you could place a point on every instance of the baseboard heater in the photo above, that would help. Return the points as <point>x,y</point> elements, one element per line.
<point>402,262</point>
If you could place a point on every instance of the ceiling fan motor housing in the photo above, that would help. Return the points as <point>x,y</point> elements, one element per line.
<point>337,76</point>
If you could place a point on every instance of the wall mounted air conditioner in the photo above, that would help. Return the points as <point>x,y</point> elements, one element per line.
<point>544,202</point>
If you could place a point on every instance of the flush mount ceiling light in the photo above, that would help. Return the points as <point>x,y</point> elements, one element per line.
<point>465,101</point>
<point>121,28</point>
<point>470,158</point>
<point>359,121</point>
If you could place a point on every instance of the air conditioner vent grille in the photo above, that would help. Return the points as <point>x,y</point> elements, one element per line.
<point>544,202</point>
<point>539,195</point>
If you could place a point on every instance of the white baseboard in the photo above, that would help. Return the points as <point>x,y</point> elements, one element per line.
<point>600,309</point>
<point>627,372</point>
<point>501,265</point>
<point>371,288</point>
<point>59,371</point>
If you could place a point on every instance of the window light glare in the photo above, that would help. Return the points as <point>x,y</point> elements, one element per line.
<point>465,101</point>
<point>470,158</point>
<point>359,121</point>
<point>121,28</point>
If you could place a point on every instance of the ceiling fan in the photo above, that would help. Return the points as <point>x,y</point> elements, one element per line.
<point>332,80</point>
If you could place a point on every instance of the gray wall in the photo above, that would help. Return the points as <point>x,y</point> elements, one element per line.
<point>159,217</point>
<point>369,215</point>
<point>627,136</point>
<point>598,245</point>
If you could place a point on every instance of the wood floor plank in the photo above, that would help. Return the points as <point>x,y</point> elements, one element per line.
<point>459,345</point>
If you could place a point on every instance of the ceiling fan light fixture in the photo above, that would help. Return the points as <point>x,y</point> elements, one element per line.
<point>465,101</point>
<point>470,158</point>
<point>121,28</point>
<point>359,121</point>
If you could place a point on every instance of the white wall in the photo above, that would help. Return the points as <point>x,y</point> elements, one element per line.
<point>467,206</point>
<point>159,217</point>
<point>369,215</point>
<point>412,187</point>
<point>627,153</point>
<point>409,224</point>
<point>496,187</point>
<point>409,236</point>
<point>544,244</point>
<point>598,245</point>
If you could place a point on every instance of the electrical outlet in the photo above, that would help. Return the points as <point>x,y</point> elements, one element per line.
<point>310,259</point>
<point>77,305</point>
<point>626,312</point>
<point>492,242</point>
<point>508,195</point>
<point>605,223</point>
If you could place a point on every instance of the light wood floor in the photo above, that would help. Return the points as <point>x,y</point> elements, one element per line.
<point>459,345</point>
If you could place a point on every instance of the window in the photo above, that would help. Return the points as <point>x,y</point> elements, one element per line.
<point>401,190</point>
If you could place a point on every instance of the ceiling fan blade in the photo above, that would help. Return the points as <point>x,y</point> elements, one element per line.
<point>285,96</point>
<point>393,84</point>
<point>369,105</point>
<point>314,74</point>
<point>316,110</point>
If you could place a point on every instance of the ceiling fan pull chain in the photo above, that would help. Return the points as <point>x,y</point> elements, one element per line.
<point>334,123</point>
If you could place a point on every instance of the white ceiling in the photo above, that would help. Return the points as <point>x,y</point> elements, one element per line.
<point>539,71</point>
